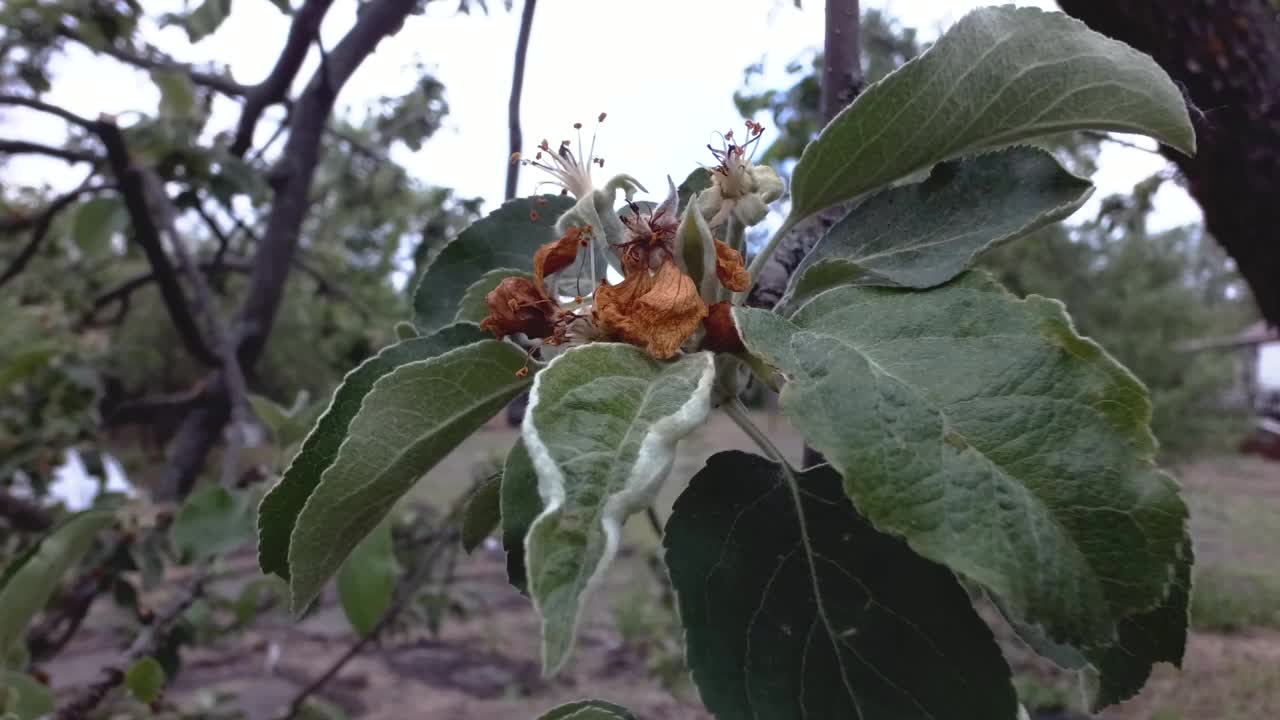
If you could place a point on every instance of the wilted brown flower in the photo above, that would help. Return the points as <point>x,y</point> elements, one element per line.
<point>657,312</point>
<point>519,305</point>
<point>722,332</point>
<point>731,269</point>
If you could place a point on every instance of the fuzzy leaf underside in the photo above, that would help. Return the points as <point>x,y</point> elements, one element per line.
<point>411,419</point>
<point>601,431</point>
<point>278,512</point>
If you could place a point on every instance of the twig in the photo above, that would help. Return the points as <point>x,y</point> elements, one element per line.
<point>273,89</point>
<point>42,222</point>
<point>24,515</point>
<point>133,188</point>
<point>45,107</point>
<point>146,644</point>
<point>156,60</point>
<point>406,591</point>
<point>24,147</point>
<point>513,104</point>
<point>222,339</point>
<point>121,292</point>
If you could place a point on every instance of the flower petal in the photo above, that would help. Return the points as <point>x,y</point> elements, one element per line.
<point>557,255</point>
<point>731,269</point>
<point>668,314</point>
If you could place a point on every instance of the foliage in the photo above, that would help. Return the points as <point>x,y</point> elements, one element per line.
<point>971,434</point>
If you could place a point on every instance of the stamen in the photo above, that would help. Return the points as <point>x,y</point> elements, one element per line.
<point>533,215</point>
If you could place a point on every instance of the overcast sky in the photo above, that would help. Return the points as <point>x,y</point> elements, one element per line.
<point>664,71</point>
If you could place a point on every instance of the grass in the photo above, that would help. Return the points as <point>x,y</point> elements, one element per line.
<point>1227,600</point>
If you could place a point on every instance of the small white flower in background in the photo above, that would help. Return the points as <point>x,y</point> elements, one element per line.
<point>738,186</point>
<point>572,172</point>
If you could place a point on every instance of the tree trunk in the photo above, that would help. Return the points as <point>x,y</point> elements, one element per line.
<point>1226,56</point>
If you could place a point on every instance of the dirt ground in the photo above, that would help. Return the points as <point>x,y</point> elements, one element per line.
<point>484,666</point>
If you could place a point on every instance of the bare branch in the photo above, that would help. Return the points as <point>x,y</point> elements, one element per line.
<point>238,389</point>
<point>24,147</point>
<point>156,60</point>
<point>146,644</point>
<point>291,180</point>
<point>45,107</point>
<point>841,58</point>
<point>305,25</point>
<point>517,88</point>
<point>41,224</point>
<point>24,515</point>
<point>121,292</point>
<point>133,187</point>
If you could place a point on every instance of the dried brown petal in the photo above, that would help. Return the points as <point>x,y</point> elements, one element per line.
<point>517,305</point>
<point>730,268</point>
<point>556,256</point>
<point>722,332</point>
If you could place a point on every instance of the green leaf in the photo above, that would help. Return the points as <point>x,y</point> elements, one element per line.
<point>923,235</point>
<point>28,698</point>
<point>601,429</point>
<point>405,330</point>
<point>993,438</point>
<point>482,513</point>
<point>408,422</point>
<point>367,581</point>
<point>998,76</point>
<point>506,238</point>
<point>96,222</point>
<point>1157,635</point>
<point>520,505</point>
<point>205,19</point>
<point>29,582</point>
<point>177,92</point>
<point>697,181</point>
<point>212,521</point>
<point>794,607</point>
<point>145,679</point>
<point>281,506</point>
<point>588,710</point>
<point>472,307</point>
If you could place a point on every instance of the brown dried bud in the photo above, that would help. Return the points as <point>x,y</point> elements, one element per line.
<point>722,332</point>
<point>731,269</point>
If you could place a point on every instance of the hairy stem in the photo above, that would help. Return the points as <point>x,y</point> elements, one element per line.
<point>738,413</point>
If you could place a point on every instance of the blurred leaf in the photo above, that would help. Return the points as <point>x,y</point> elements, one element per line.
<point>177,91</point>
<point>206,19</point>
<point>28,698</point>
<point>482,513</point>
<point>31,579</point>
<point>96,221</point>
<point>212,521</point>
<point>145,679</point>
<point>367,580</point>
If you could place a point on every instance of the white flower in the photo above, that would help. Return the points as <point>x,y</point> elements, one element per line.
<point>572,172</point>
<point>738,186</point>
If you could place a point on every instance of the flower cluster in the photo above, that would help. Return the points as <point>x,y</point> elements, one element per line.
<point>675,273</point>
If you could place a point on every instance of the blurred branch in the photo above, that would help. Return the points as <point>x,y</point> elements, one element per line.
<point>155,60</point>
<point>273,89</point>
<point>238,389</point>
<point>41,223</point>
<point>45,107</point>
<point>841,58</point>
<point>146,644</point>
<point>517,87</point>
<point>24,515</point>
<point>291,179</point>
<point>24,147</point>
<point>121,292</point>
<point>133,187</point>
